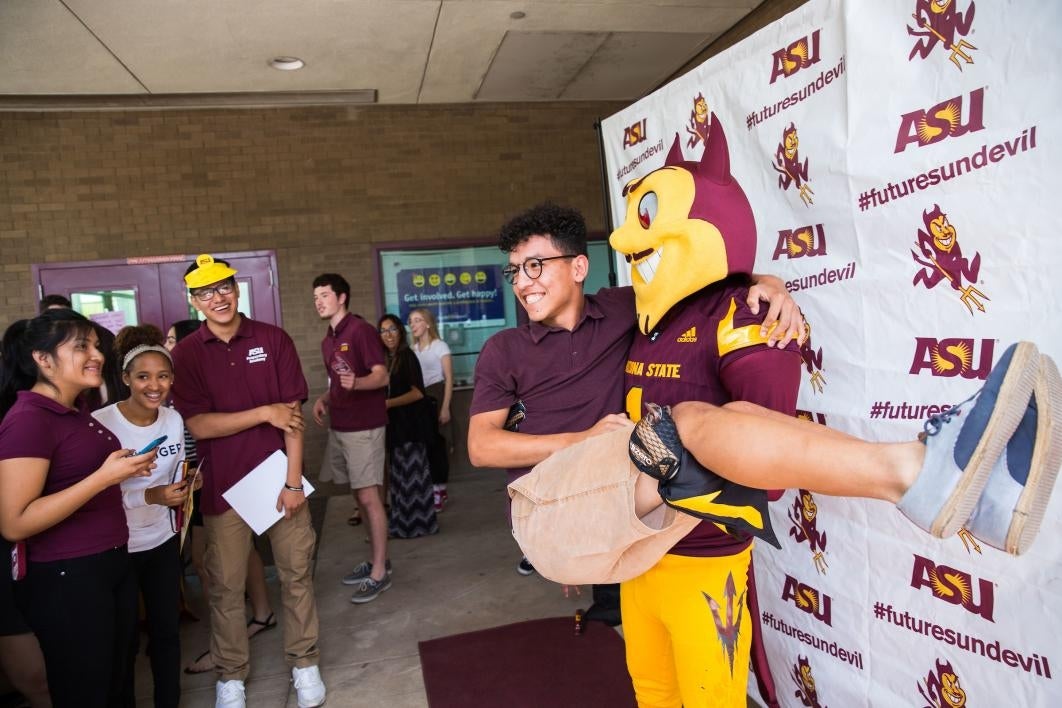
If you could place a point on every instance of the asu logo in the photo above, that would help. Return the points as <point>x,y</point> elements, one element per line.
<point>941,688</point>
<point>952,357</point>
<point>811,416</point>
<point>953,586</point>
<point>800,54</point>
<point>941,257</point>
<point>635,134</point>
<point>805,517</point>
<point>789,168</point>
<point>808,599</point>
<point>937,22</point>
<point>805,683</point>
<point>944,120</point>
<point>812,359</point>
<point>699,123</point>
<point>804,241</point>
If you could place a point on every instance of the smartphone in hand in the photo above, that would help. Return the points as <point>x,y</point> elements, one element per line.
<point>150,446</point>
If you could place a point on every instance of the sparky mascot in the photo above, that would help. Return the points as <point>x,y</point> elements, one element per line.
<point>690,237</point>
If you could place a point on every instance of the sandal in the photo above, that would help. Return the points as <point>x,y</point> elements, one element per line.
<point>256,626</point>
<point>202,664</point>
<point>355,518</point>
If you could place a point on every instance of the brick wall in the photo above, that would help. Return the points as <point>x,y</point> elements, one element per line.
<point>318,185</point>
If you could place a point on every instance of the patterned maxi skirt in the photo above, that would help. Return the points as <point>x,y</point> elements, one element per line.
<point>412,503</point>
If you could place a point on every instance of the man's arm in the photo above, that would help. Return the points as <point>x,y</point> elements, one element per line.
<point>291,499</point>
<point>781,310</point>
<point>285,416</point>
<point>377,378</point>
<point>491,445</point>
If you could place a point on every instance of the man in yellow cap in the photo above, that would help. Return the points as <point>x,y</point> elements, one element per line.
<point>239,385</point>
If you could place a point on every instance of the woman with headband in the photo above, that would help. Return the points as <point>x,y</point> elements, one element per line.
<point>152,503</point>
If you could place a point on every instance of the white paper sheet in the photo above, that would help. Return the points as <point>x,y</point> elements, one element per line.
<point>255,496</point>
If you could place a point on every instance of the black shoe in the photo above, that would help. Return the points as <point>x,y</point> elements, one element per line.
<point>524,567</point>
<point>685,485</point>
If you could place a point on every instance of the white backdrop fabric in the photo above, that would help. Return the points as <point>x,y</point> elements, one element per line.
<point>902,115</point>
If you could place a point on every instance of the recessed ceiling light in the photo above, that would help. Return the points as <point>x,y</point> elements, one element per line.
<point>286,63</point>
<point>518,15</point>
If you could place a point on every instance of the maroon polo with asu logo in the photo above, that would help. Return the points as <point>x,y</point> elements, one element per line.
<point>257,367</point>
<point>707,349</point>
<point>75,445</point>
<point>567,381</point>
<point>354,344</point>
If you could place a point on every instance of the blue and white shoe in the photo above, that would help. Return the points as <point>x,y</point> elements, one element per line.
<point>964,442</point>
<point>1012,505</point>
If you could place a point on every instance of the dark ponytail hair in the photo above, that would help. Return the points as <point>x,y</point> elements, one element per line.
<point>44,333</point>
<point>182,328</point>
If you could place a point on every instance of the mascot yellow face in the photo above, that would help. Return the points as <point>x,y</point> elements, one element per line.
<point>688,225</point>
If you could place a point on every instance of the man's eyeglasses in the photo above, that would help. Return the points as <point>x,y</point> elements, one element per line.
<point>207,294</point>
<point>532,268</point>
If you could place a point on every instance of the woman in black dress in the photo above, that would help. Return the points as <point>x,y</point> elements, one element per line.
<point>410,426</point>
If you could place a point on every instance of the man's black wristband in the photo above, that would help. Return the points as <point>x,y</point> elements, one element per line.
<point>292,489</point>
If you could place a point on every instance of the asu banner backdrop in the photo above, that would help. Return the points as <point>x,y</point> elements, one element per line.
<point>902,158</point>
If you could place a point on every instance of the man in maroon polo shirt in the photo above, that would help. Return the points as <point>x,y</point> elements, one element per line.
<point>239,385</point>
<point>356,405</point>
<point>565,366</point>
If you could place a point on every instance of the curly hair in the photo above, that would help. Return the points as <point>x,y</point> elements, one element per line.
<point>133,336</point>
<point>564,226</point>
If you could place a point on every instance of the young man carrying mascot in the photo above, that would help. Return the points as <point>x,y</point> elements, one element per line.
<point>586,514</point>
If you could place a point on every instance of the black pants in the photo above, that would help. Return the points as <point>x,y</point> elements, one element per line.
<point>158,573</point>
<point>83,611</point>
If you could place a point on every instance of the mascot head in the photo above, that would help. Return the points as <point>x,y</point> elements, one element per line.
<point>940,229</point>
<point>688,225</point>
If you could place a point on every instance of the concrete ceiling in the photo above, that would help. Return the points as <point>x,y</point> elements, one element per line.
<point>407,51</point>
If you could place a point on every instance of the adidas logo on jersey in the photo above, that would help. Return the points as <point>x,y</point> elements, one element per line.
<point>690,335</point>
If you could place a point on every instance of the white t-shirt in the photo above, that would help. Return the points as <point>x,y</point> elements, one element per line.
<point>431,360</point>
<point>149,524</point>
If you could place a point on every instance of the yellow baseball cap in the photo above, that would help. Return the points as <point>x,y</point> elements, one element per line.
<point>207,272</point>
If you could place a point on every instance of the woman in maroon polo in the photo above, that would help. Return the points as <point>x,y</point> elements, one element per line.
<point>59,477</point>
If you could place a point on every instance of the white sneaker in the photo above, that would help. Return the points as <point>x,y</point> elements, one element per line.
<point>309,688</point>
<point>231,694</point>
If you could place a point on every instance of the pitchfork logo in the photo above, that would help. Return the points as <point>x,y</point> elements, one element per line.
<point>804,514</point>
<point>953,357</point>
<point>800,54</point>
<point>941,689</point>
<point>943,120</point>
<point>955,587</point>
<point>940,256</point>
<point>791,171</point>
<point>728,617</point>
<point>805,683</point>
<point>937,22</point>
<point>699,122</point>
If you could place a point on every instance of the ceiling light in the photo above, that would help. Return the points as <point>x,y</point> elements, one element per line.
<point>518,15</point>
<point>286,63</point>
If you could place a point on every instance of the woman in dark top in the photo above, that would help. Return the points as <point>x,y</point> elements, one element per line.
<point>410,425</point>
<point>59,477</point>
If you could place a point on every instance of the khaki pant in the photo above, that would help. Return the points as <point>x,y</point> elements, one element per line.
<point>573,515</point>
<point>228,545</point>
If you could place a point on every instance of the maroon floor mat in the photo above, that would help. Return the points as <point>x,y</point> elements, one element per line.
<point>528,664</point>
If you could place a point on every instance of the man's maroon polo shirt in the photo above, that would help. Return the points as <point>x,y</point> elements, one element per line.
<point>567,381</point>
<point>75,445</point>
<point>354,344</point>
<point>257,367</point>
